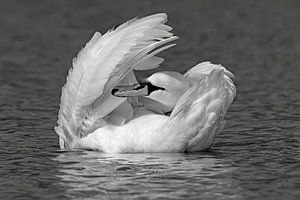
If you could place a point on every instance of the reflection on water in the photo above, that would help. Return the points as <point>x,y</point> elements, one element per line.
<point>174,176</point>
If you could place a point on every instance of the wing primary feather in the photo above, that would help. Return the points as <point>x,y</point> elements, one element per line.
<point>139,57</point>
<point>102,63</point>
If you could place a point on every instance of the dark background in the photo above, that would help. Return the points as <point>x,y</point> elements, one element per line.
<point>259,41</point>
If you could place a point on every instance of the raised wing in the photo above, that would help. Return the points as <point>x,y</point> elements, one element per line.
<point>102,64</point>
<point>203,107</point>
<point>202,70</point>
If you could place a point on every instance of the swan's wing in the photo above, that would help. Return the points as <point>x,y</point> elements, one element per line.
<point>200,111</point>
<point>202,70</point>
<point>102,63</point>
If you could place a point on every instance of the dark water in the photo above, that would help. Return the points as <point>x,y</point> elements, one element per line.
<point>255,157</point>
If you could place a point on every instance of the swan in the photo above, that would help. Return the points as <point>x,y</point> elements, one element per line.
<point>105,107</point>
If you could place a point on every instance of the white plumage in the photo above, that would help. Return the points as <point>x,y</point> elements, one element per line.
<point>90,117</point>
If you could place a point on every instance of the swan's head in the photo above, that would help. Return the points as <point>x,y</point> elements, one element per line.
<point>163,87</point>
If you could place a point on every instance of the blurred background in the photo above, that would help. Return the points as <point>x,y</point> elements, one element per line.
<point>257,154</point>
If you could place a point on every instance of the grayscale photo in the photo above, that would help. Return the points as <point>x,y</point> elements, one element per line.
<point>149,99</point>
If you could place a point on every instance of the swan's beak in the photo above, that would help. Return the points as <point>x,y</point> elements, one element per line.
<point>130,90</point>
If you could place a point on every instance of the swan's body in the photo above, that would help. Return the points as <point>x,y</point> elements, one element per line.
<point>97,113</point>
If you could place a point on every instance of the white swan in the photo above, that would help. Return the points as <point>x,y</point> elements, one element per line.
<point>103,106</point>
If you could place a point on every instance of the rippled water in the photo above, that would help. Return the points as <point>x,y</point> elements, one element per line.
<point>255,157</point>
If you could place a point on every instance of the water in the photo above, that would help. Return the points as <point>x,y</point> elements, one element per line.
<point>255,157</point>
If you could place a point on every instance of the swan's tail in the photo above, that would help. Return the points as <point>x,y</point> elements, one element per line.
<point>200,111</point>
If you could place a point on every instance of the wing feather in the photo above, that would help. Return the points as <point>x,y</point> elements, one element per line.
<point>103,62</point>
<point>202,70</point>
<point>203,106</point>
